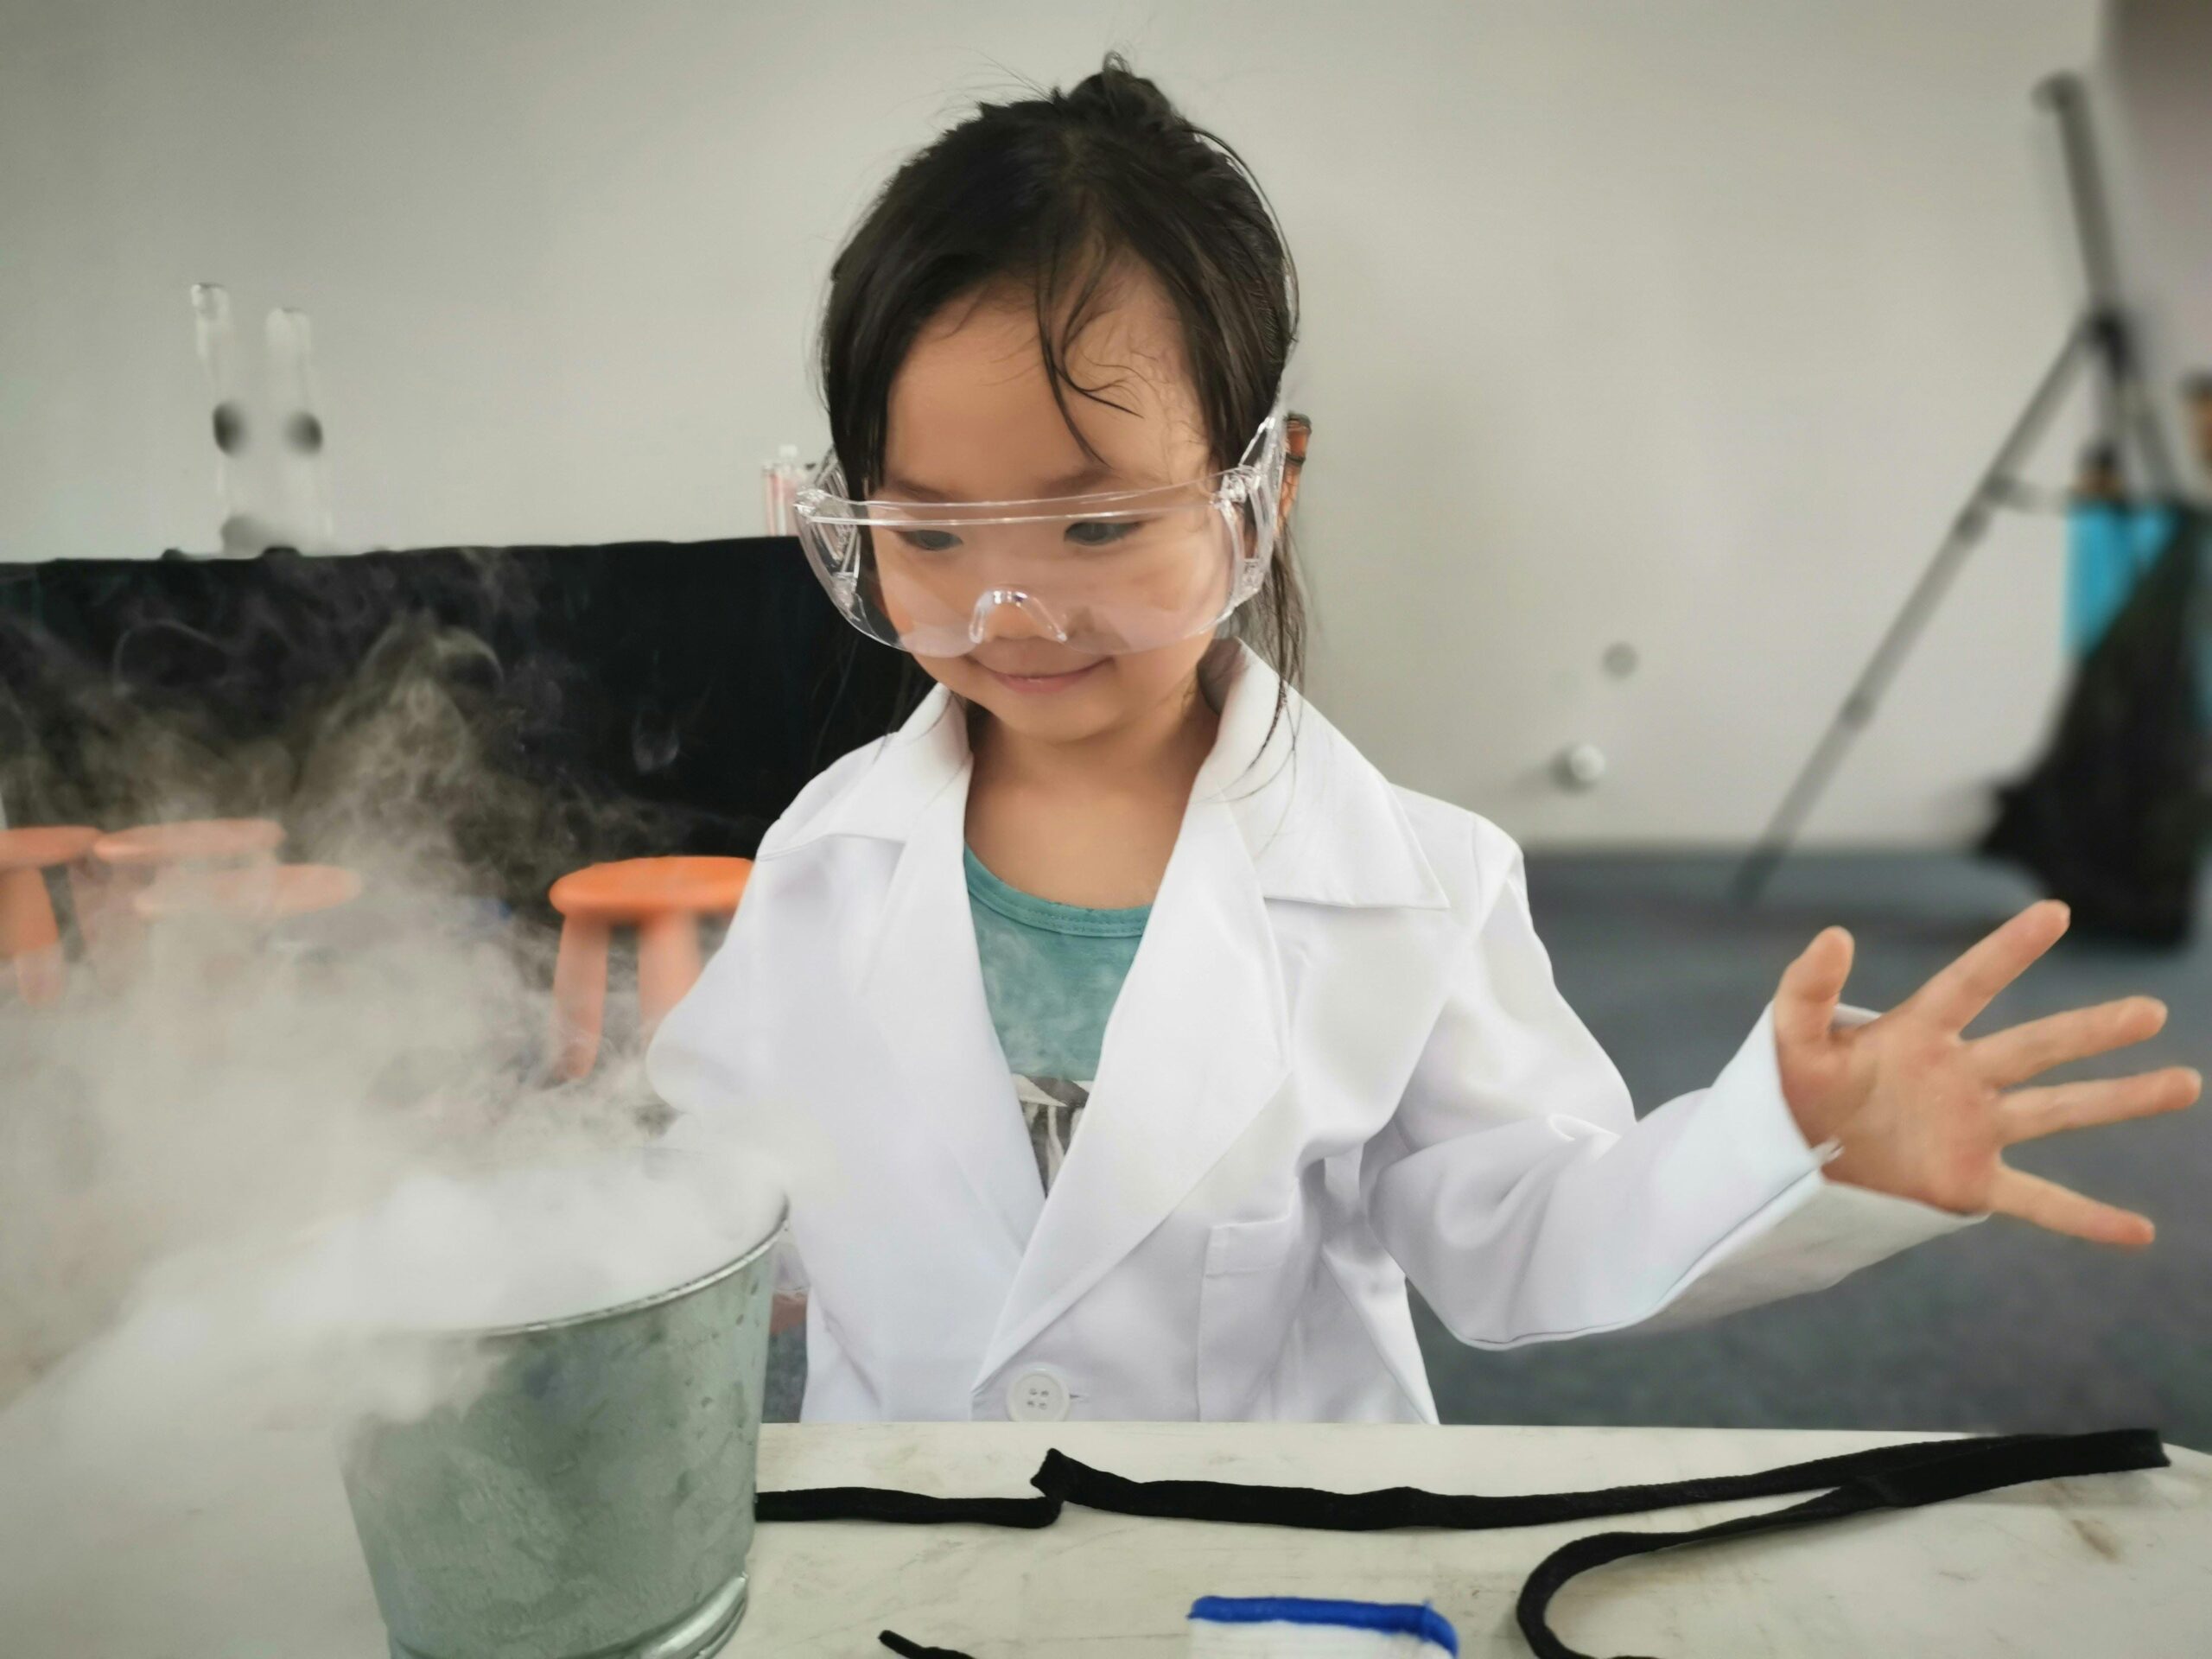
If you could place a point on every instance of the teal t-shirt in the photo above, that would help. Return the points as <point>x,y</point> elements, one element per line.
<point>1051,974</point>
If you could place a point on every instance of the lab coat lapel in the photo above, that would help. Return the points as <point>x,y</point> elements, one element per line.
<point>924,988</point>
<point>1198,1038</point>
<point>1195,1046</point>
<point>1198,1042</point>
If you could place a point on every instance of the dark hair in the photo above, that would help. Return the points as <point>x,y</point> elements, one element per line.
<point>1053,193</point>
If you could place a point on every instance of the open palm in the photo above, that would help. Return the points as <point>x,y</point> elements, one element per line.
<point>1925,1112</point>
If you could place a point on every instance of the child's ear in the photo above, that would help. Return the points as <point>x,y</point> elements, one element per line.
<point>1298,432</point>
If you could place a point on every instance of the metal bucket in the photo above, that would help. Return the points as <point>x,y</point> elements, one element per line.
<point>595,1497</point>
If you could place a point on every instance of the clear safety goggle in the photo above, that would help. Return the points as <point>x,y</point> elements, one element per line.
<point>1111,572</point>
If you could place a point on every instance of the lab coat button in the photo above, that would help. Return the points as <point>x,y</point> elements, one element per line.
<point>1037,1396</point>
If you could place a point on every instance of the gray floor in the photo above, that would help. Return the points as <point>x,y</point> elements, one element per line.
<point>1998,1328</point>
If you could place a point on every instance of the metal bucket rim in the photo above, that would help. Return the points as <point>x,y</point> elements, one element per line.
<point>636,1305</point>
<point>434,1334</point>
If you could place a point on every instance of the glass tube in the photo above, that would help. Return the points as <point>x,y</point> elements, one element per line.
<point>232,425</point>
<point>301,468</point>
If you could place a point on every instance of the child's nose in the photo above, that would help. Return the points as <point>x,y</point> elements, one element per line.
<point>1011,614</point>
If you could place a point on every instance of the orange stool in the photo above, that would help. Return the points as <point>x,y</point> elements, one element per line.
<point>663,899</point>
<point>131,861</point>
<point>196,841</point>
<point>29,936</point>
<point>268,894</point>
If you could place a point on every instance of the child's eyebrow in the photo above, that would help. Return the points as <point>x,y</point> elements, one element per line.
<point>1074,483</point>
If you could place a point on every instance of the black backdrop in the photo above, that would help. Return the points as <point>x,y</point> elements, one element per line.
<point>597,701</point>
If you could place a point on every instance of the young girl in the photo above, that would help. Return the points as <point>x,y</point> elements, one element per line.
<point>1129,1042</point>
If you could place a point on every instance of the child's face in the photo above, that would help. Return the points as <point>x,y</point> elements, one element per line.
<point>972,416</point>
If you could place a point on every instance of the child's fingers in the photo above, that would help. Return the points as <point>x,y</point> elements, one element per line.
<point>2018,1052</point>
<point>2062,1210</point>
<point>1970,984</point>
<point>2032,1113</point>
<point>1804,1006</point>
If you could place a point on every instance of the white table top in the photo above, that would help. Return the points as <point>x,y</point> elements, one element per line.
<point>253,1554</point>
<point>2109,1565</point>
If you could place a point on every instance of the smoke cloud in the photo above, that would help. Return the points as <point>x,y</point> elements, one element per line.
<point>234,1161</point>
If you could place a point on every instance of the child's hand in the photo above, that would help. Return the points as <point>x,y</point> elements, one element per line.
<point>1923,1111</point>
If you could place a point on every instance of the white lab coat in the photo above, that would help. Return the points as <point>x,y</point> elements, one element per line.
<point>1339,1062</point>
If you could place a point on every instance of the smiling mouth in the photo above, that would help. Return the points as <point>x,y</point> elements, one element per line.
<point>1052,681</point>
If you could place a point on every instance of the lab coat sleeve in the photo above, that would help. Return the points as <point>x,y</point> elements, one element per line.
<point>1527,1202</point>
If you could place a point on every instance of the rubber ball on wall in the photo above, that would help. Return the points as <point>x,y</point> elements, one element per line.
<point>1579,766</point>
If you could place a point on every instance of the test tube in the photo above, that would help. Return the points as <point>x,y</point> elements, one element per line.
<point>233,430</point>
<point>302,468</point>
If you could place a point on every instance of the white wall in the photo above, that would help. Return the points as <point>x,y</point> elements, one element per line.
<point>1685,324</point>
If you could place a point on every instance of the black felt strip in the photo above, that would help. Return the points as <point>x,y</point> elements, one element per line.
<point>903,1509</point>
<point>907,1649</point>
<point>1065,1477</point>
<point>1975,1466</point>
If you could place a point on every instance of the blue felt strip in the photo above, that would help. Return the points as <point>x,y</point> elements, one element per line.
<point>1397,1619</point>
